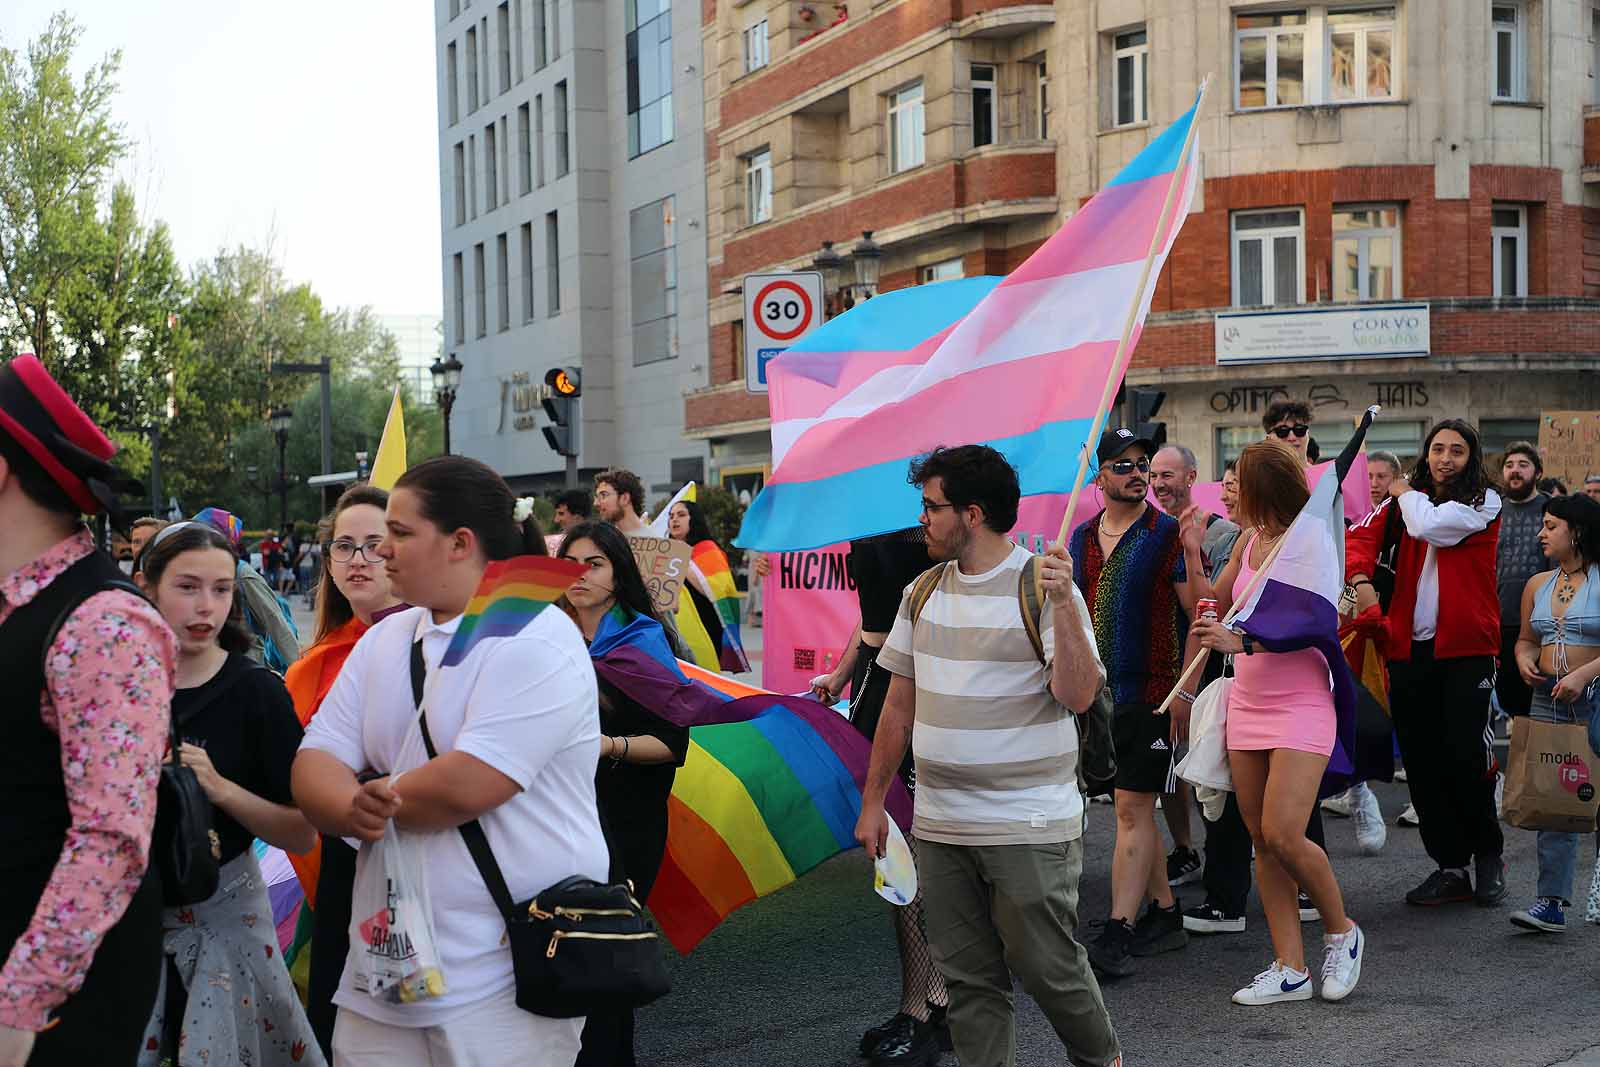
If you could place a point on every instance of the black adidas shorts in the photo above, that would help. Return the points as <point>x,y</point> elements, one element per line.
<point>1144,752</point>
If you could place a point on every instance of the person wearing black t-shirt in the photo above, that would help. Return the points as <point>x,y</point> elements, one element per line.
<point>640,754</point>
<point>237,731</point>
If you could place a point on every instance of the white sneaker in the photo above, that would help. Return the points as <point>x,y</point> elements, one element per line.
<point>1276,983</point>
<point>1400,774</point>
<point>1371,834</point>
<point>1408,817</point>
<point>1341,962</point>
<point>1340,804</point>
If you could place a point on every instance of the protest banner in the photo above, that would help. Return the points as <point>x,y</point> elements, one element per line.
<point>665,566</point>
<point>809,611</point>
<point>1569,445</point>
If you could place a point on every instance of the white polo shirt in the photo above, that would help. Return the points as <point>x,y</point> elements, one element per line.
<point>526,705</point>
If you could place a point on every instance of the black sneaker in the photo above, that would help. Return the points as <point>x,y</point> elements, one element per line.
<point>1308,910</point>
<point>1159,930</point>
<point>897,1023</point>
<point>916,1045</point>
<point>1183,866</point>
<point>1442,887</point>
<point>1491,881</point>
<point>1209,918</point>
<point>1111,953</point>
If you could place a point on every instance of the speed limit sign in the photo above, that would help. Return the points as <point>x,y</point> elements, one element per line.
<point>779,309</point>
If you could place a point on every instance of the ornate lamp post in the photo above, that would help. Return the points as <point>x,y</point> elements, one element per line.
<point>446,380</point>
<point>280,419</point>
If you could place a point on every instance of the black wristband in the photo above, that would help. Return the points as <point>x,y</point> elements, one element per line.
<point>1249,645</point>
<point>1362,582</point>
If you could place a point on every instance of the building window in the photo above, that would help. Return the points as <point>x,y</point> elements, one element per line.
<point>941,272</point>
<point>983,114</point>
<point>541,36</point>
<point>502,266</point>
<point>502,26</point>
<point>905,128</point>
<point>552,18</point>
<point>1594,56</point>
<point>472,176</point>
<point>1402,437</point>
<point>452,76</point>
<point>517,38</point>
<point>1509,228</point>
<point>491,168</point>
<point>1366,253</point>
<point>552,263</point>
<point>485,63</point>
<point>1361,54</point>
<point>526,236</point>
<point>472,70</point>
<point>758,187</point>
<point>461,183</point>
<point>756,53</point>
<point>563,149</point>
<point>538,139</point>
<point>1268,258</point>
<point>1269,59</point>
<point>524,150</point>
<point>653,279</point>
<point>1496,434</point>
<point>1131,57</point>
<point>1509,46</point>
<point>649,24</point>
<point>480,290</point>
<point>1043,103</point>
<point>458,294</point>
<point>455,8</point>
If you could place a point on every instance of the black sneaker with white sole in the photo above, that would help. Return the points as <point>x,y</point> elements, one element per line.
<point>1111,953</point>
<point>1209,918</point>
<point>1159,930</point>
<point>1183,866</point>
<point>1308,910</point>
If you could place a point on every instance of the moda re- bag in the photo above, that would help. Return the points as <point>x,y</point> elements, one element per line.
<point>1550,776</point>
<point>580,947</point>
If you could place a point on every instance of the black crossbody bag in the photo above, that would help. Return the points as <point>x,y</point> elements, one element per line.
<point>580,947</point>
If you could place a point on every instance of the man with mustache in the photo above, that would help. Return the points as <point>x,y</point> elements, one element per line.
<point>1518,557</point>
<point>1140,579</point>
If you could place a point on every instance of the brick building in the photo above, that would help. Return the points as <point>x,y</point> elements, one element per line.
<point>1401,201</point>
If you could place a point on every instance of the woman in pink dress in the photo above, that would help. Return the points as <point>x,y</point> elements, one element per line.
<point>1280,735</point>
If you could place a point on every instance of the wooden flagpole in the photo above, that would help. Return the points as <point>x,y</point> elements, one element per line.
<point>1123,354</point>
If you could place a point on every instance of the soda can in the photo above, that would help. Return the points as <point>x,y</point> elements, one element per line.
<point>1206,608</point>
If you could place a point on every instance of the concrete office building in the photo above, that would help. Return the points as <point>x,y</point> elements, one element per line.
<point>572,206</point>
<point>1439,155</point>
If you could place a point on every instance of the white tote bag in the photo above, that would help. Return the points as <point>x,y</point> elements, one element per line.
<point>1206,765</point>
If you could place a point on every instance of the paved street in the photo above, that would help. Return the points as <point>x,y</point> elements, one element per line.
<point>794,979</point>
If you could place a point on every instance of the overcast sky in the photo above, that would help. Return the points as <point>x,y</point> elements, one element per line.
<point>309,124</point>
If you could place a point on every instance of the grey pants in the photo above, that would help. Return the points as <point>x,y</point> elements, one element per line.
<point>998,910</point>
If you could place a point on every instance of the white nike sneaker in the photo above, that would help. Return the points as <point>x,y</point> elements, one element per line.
<point>1275,984</point>
<point>1341,804</point>
<point>1341,962</point>
<point>1408,817</point>
<point>1371,834</point>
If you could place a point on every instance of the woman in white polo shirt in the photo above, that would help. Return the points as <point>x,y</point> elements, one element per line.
<point>518,739</point>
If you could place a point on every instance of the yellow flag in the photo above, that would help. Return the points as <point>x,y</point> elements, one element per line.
<point>691,493</point>
<point>390,462</point>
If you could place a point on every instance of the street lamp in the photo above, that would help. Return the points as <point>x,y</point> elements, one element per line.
<point>828,263</point>
<point>868,258</point>
<point>446,379</point>
<point>280,419</point>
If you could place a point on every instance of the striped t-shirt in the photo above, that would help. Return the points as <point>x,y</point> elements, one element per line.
<point>997,756</point>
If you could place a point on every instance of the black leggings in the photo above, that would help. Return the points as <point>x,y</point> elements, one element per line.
<point>330,938</point>
<point>869,686</point>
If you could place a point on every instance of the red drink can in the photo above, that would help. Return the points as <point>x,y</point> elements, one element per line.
<point>1206,608</point>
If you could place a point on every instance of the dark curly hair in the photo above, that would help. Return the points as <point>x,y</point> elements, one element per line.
<point>624,482</point>
<point>1582,516</point>
<point>1279,410</point>
<point>1470,485</point>
<point>973,474</point>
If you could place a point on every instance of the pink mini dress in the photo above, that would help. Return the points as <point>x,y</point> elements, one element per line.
<point>1279,699</point>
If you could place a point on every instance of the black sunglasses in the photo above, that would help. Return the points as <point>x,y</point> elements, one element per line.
<point>1123,467</point>
<point>1282,433</point>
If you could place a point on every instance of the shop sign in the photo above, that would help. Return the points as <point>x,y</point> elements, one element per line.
<point>1364,331</point>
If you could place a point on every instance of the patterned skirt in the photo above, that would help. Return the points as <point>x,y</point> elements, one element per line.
<point>241,1009</point>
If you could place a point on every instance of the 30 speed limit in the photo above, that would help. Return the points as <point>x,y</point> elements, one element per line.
<point>779,309</point>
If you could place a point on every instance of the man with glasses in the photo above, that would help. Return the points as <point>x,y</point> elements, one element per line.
<point>1289,421</point>
<point>618,498</point>
<point>1140,579</point>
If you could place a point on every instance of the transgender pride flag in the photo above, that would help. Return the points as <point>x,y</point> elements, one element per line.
<point>1017,363</point>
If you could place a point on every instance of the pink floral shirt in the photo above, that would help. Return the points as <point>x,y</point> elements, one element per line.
<point>108,694</point>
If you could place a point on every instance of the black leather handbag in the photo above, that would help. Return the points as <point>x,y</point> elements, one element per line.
<point>578,948</point>
<point>185,848</point>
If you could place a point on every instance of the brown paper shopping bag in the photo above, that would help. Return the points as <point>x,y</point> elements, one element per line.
<point>1551,776</point>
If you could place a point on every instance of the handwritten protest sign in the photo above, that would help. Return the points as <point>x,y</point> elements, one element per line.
<point>665,565</point>
<point>1569,444</point>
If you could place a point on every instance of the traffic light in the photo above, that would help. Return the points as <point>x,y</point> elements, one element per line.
<point>1143,405</point>
<point>563,387</point>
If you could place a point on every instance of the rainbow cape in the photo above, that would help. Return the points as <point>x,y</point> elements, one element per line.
<point>771,786</point>
<point>713,565</point>
<point>512,592</point>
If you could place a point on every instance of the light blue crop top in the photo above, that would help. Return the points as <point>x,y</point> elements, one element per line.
<point>1580,625</point>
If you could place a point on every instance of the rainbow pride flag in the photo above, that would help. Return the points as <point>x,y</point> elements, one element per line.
<point>1018,363</point>
<point>512,592</point>
<point>771,787</point>
<point>714,568</point>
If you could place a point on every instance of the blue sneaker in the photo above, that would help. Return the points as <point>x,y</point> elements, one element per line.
<point>1545,915</point>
